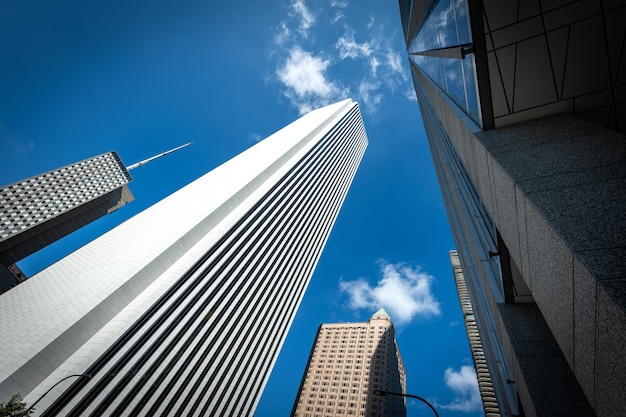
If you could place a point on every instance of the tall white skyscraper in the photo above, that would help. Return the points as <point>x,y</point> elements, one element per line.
<point>182,309</point>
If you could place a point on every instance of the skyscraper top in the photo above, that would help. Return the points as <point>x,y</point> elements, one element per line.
<point>366,357</point>
<point>382,313</point>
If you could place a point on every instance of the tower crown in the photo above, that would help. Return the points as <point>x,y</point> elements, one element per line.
<point>381,313</point>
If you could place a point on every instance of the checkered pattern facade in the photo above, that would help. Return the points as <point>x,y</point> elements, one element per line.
<point>29,202</point>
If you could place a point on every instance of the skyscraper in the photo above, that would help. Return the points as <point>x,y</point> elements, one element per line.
<point>523,106</point>
<point>42,209</point>
<point>347,363</point>
<point>483,374</point>
<point>182,309</point>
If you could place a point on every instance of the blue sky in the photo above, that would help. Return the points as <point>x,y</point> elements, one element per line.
<point>139,77</point>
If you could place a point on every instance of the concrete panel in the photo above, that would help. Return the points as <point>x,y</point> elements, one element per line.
<point>587,68</point>
<point>489,199</point>
<point>611,266</point>
<point>563,106</point>
<point>567,210</point>
<point>500,13</point>
<point>523,262</point>
<point>507,210</point>
<point>534,83</point>
<point>559,153</point>
<point>610,374</point>
<point>533,133</point>
<point>498,95</point>
<point>511,34</point>
<point>482,179</point>
<point>551,267</point>
<point>574,178</point>
<point>505,73</point>
<point>542,373</point>
<point>571,13</point>
<point>585,304</point>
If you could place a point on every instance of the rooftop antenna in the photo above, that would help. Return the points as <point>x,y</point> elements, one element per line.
<point>145,161</point>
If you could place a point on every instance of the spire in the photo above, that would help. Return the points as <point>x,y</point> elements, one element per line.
<point>145,161</point>
<point>382,313</point>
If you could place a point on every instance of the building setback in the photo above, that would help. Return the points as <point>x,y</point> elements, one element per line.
<point>38,211</point>
<point>524,109</point>
<point>182,309</point>
<point>347,363</point>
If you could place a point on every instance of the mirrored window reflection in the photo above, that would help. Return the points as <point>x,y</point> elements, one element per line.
<point>456,77</point>
<point>447,26</point>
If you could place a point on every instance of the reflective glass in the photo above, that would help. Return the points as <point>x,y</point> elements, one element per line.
<point>447,26</point>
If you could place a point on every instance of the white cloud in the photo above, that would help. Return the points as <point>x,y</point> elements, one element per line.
<point>394,62</point>
<point>304,74</point>
<point>465,387</point>
<point>338,16</point>
<point>372,67</point>
<point>305,77</point>
<point>374,64</point>
<point>283,34</point>
<point>368,96</point>
<point>410,94</point>
<point>349,48</point>
<point>338,3</point>
<point>307,19</point>
<point>403,291</point>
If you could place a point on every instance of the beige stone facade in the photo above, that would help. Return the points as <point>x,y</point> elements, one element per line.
<point>348,362</point>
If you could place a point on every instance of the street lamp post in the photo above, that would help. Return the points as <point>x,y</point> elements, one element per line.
<point>382,393</point>
<point>25,413</point>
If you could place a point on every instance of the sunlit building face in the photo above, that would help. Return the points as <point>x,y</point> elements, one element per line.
<point>182,309</point>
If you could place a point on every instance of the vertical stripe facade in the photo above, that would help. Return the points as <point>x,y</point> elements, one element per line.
<point>205,324</point>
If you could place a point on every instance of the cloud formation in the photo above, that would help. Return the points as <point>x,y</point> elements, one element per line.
<point>404,291</point>
<point>369,94</point>
<point>283,34</point>
<point>349,48</point>
<point>305,77</point>
<point>338,16</point>
<point>338,3</point>
<point>334,62</point>
<point>465,386</point>
<point>307,19</point>
<point>394,62</point>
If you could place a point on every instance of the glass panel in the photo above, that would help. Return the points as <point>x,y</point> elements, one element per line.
<point>447,26</point>
<point>471,89</point>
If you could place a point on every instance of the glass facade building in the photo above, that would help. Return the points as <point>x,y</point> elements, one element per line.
<point>442,49</point>
<point>523,105</point>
